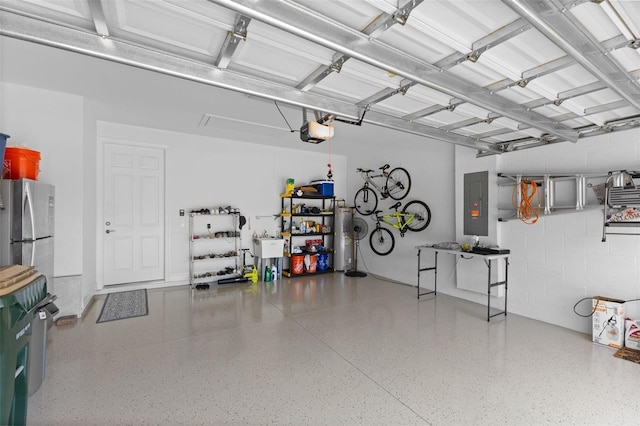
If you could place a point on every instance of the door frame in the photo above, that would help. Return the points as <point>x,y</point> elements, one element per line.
<point>102,141</point>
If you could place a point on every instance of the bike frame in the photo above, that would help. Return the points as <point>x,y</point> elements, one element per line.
<point>398,224</point>
<point>369,180</point>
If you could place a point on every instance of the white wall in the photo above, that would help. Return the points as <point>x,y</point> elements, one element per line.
<point>562,259</point>
<point>471,274</point>
<point>431,166</point>
<point>554,263</point>
<point>52,123</point>
<point>203,172</point>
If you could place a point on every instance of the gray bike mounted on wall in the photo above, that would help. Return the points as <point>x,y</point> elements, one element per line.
<point>394,184</point>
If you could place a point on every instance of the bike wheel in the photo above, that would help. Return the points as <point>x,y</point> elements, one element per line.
<point>421,215</point>
<point>382,241</point>
<point>398,183</point>
<point>365,201</point>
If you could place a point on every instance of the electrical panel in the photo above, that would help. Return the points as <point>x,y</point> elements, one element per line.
<point>476,203</point>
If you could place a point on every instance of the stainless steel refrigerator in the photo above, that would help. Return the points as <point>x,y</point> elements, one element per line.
<point>27,210</point>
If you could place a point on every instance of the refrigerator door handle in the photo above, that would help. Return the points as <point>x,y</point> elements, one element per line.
<point>29,203</point>
<point>33,254</point>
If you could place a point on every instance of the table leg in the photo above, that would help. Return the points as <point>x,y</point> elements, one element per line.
<point>435,274</point>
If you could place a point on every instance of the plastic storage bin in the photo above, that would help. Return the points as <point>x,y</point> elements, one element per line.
<point>323,262</point>
<point>21,163</point>
<point>3,144</point>
<point>21,290</point>
<point>324,187</point>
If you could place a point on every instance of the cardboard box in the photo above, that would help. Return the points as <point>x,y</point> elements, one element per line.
<point>632,334</point>
<point>608,321</point>
<point>315,242</point>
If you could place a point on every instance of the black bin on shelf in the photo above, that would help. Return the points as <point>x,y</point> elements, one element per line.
<point>21,290</point>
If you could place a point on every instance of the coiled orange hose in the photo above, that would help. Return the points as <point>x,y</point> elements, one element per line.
<point>527,212</point>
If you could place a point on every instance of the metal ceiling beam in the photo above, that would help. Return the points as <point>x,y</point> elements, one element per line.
<point>563,29</point>
<point>381,119</point>
<point>433,109</point>
<point>79,41</point>
<point>322,72</point>
<point>558,64</point>
<point>470,122</point>
<point>232,41</point>
<point>305,23</point>
<point>385,21</point>
<point>587,131</point>
<point>387,93</point>
<point>492,133</point>
<point>480,46</point>
<point>382,23</point>
<point>99,20</point>
<point>606,107</point>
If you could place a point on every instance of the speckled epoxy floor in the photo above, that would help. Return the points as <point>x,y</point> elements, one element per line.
<point>327,350</point>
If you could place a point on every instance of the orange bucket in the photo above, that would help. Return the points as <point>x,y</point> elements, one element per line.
<point>297,264</point>
<point>312,262</point>
<point>20,163</point>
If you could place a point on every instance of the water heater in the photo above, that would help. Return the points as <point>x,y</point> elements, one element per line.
<point>343,259</point>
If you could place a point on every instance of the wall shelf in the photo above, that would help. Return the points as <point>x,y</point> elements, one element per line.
<point>559,193</point>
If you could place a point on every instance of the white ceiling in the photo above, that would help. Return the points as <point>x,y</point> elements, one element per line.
<point>488,74</point>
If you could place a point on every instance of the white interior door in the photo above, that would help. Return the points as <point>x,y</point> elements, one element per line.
<point>133,214</point>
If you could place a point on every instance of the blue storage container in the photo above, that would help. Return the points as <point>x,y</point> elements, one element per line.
<point>323,261</point>
<point>3,145</point>
<point>324,187</point>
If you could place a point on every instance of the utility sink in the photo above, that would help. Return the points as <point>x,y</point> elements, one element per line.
<point>267,248</point>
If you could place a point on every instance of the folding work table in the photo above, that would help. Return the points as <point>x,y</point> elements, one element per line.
<point>488,258</point>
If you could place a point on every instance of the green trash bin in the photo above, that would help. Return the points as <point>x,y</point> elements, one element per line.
<point>21,290</point>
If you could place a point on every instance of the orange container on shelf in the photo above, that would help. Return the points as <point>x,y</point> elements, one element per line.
<point>20,163</point>
<point>311,262</point>
<point>297,264</point>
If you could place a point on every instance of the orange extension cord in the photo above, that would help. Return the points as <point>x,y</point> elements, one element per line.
<point>527,212</point>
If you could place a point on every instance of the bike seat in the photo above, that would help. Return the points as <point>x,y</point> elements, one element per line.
<point>377,212</point>
<point>395,206</point>
<point>385,167</point>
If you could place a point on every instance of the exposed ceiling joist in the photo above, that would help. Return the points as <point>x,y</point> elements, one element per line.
<point>232,41</point>
<point>289,53</point>
<point>485,43</point>
<point>307,24</point>
<point>33,30</point>
<point>558,24</point>
<point>99,20</point>
<point>382,23</point>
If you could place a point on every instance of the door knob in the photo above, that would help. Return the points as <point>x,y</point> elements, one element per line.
<point>108,231</point>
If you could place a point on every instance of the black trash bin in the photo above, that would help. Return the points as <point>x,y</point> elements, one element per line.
<point>21,290</point>
<point>42,321</point>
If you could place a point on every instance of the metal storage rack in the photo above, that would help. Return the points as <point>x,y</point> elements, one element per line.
<point>214,253</point>
<point>621,192</point>
<point>296,208</point>
<point>560,192</point>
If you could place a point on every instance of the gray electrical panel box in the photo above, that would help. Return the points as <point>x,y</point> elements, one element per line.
<point>476,204</point>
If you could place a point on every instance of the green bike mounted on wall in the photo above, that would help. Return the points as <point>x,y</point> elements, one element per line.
<point>415,216</point>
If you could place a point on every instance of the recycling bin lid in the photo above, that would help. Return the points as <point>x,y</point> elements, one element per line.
<point>14,277</point>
